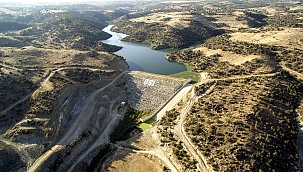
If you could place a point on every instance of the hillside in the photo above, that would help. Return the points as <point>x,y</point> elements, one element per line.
<point>172,30</point>
<point>246,114</point>
<point>60,29</point>
<point>248,124</point>
<point>44,90</point>
<point>68,103</point>
<point>67,31</point>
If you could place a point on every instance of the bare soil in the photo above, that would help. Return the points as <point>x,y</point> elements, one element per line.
<point>145,141</point>
<point>135,162</point>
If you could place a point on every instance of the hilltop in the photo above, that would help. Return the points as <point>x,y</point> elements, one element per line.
<point>166,29</point>
<point>68,103</point>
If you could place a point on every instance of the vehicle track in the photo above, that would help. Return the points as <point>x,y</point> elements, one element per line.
<point>77,127</point>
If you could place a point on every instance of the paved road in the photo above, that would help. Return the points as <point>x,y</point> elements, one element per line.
<point>173,102</point>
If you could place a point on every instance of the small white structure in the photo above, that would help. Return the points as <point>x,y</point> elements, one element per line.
<point>122,104</point>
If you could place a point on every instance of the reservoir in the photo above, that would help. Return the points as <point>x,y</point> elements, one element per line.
<point>141,57</point>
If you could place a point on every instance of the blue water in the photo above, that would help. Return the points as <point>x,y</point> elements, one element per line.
<point>141,57</point>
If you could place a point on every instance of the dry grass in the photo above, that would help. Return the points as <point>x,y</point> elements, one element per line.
<point>146,141</point>
<point>232,58</point>
<point>40,57</point>
<point>176,19</point>
<point>134,163</point>
<point>291,37</point>
<point>269,10</point>
<point>230,20</point>
<point>298,7</point>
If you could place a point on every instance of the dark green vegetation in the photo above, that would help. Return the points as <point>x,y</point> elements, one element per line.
<point>58,82</point>
<point>161,36</point>
<point>11,26</point>
<point>8,161</point>
<point>126,125</point>
<point>85,76</point>
<point>13,42</point>
<point>254,20</point>
<point>99,158</point>
<point>271,55</point>
<point>247,124</point>
<point>219,69</point>
<point>70,30</point>
<point>288,20</point>
<point>202,88</point>
<point>43,106</point>
<point>106,47</point>
<point>188,74</point>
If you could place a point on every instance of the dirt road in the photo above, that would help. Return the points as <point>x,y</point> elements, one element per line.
<point>155,152</point>
<point>299,75</point>
<point>179,131</point>
<point>44,84</point>
<point>237,77</point>
<point>77,127</point>
<point>110,120</point>
<point>44,157</point>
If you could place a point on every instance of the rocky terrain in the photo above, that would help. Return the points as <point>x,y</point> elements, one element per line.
<point>151,91</point>
<point>36,122</point>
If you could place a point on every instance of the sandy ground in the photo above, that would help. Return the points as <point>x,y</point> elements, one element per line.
<point>135,162</point>
<point>146,140</point>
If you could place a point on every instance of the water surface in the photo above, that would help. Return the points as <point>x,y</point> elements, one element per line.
<point>142,57</point>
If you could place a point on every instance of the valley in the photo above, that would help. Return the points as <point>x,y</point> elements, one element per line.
<point>151,86</point>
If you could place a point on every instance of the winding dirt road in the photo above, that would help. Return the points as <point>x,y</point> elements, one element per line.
<point>104,135</point>
<point>155,152</point>
<point>77,127</point>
